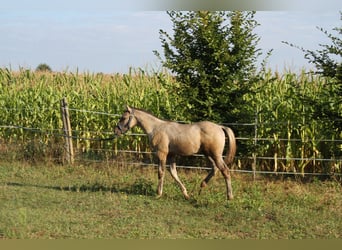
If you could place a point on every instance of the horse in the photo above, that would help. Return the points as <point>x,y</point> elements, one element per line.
<point>168,139</point>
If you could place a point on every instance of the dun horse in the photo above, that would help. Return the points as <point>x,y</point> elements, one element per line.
<point>169,139</point>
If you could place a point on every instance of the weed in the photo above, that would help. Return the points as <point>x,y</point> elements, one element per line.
<point>143,187</point>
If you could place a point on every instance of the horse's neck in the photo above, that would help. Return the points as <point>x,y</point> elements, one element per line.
<point>147,121</point>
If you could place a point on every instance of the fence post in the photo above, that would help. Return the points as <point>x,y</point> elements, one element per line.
<point>255,144</point>
<point>69,155</point>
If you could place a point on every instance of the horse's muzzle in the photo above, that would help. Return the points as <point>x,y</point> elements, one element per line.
<point>118,131</point>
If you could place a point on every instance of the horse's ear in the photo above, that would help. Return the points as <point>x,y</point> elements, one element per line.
<point>129,109</point>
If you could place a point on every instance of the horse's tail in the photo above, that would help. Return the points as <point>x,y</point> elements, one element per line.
<point>232,145</point>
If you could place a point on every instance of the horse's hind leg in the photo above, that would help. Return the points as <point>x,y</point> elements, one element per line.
<point>226,174</point>
<point>210,175</point>
<point>174,174</point>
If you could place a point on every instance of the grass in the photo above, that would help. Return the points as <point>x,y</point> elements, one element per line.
<point>99,201</point>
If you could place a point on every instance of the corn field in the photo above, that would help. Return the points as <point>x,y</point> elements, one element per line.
<point>281,109</point>
<point>291,111</point>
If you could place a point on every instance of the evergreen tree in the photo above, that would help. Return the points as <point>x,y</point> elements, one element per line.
<point>213,55</point>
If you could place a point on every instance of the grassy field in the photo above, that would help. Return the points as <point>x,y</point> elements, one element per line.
<point>99,201</point>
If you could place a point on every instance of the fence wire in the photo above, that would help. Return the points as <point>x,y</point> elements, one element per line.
<point>59,133</point>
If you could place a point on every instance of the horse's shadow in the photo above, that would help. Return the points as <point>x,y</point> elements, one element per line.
<point>139,187</point>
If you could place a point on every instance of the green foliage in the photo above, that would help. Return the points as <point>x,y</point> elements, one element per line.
<point>43,67</point>
<point>328,63</point>
<point>287,111</point>
<point>213,55</point>
<point>32,100</point>
<point>327,60</point>
<point>286,107</point>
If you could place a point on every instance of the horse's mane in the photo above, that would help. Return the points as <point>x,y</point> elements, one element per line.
<point>144,110</point>
<point>166,120</point>
<point>150,113</point>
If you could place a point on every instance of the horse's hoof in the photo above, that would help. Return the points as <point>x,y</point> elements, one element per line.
<point>187,197</point>
<point>203,184</point>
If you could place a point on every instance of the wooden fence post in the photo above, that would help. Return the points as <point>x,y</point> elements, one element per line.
<point>69,151</point>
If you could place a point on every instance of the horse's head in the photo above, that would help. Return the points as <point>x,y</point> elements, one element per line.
<point>126,122</point>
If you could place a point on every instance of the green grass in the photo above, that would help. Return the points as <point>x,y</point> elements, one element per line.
<point>99,201</point>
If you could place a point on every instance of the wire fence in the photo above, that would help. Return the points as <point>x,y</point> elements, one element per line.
<point>145,157</point>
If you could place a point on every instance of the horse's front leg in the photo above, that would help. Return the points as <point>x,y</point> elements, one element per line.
<point>174,174</point>
<point>161,172</point>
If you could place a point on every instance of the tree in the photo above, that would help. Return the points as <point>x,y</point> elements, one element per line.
<point>328,63</point>
<point>328,59</point>
<point>213,55</point>
<point>43,67</point>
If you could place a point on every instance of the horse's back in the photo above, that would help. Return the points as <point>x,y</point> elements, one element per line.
<point>210,128</point>
<point>176,138</point>
<point>212,137</point>
<point>188,139</point>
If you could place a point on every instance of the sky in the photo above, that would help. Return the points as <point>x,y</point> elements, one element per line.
<point>111,39</point>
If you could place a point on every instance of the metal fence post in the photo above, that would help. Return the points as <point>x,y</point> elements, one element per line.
<point>255,144</point>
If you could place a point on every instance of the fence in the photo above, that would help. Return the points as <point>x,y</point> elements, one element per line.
<point>134,154</point>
